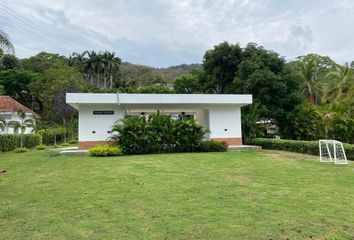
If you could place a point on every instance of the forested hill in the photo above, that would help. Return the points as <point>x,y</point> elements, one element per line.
<point>145,74</point>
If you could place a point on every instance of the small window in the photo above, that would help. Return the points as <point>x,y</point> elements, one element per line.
<point>103,112</point>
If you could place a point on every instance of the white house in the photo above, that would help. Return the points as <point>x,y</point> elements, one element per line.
<point>8,112</point>
<point>220,114</point>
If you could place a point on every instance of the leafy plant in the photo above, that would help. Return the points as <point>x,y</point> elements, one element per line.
<point>105,151</point>
<point>41,147</point>
<point>213,146</point>
<point>308,147</point>
<point>20,150</point>
<point>9,142</point>
<point>156,134</point>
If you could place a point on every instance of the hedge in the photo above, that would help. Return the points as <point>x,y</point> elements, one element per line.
<point>213,146</point>
<point>308,147</point>
<point>105,151</point>
<point>9,142</point>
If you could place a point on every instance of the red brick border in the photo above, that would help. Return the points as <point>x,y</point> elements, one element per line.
<point>84,145</point>
<point>230,141</point>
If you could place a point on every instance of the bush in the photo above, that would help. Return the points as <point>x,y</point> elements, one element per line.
<point>41,147</point>
<point>64,144</point>
<point>53,136</point>
<point>157,134</point>
<point>308,147</point>
<point>213,146</point>
<point>105,151</point>
<point>9,142</point>
<point>20,150</point>
<point>73,141</point>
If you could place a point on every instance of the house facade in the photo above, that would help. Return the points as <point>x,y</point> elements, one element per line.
<point>8,112</point>
<point>220,114</point>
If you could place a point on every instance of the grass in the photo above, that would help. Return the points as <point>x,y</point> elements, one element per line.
<point>233,195</point>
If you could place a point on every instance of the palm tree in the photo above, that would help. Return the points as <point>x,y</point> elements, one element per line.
<point>5,43</point>
<point>20,126</point>
<point>341,80</point>
<point>111,65</point>
<point>2,124</point>
<point>310,81</point>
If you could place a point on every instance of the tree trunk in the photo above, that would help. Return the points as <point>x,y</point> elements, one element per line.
<point>111,81</point>
<point>21,140</point>
<point>98,78</point>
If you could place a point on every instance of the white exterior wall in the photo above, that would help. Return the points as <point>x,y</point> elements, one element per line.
<point>225,122</point>
<point>88,122</point>
<point>16,117</point>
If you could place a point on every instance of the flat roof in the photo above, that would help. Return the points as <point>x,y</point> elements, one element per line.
<point>75,99</point>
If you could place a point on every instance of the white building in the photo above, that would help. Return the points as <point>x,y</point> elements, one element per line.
<point>220,114</point>
<point>8,112</point>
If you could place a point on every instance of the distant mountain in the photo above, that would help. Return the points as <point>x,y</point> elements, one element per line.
<point>144,75</point>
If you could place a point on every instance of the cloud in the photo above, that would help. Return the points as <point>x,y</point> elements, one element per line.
<point>164,33</point>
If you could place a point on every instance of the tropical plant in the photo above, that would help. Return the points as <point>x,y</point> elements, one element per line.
<point>157,133</point>
<point>250,129</point>
<point>5,43</point>
<point>311,88</point>
<point>341,80</point>
<point>22,125</point>
<point>3,124</point>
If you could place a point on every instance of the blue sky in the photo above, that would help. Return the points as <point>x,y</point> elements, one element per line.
<point>161,33</point>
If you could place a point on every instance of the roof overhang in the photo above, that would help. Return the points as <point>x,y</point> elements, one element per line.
<point>133,99</point>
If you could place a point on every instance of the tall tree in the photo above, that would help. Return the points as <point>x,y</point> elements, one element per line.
<point>5,43</point>
<point>220,65</point>
<point>340,80</point>
<point>310,84</point>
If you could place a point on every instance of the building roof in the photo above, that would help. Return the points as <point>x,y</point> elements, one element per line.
<point>8,104</point>
<point>75,99</point>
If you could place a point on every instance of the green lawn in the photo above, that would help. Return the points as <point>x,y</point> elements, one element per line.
<point>233,195</point>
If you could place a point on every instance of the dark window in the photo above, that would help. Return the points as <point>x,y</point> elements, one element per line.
<point>103,112</point>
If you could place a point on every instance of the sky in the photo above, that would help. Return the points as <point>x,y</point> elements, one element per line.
<point>163,33</point>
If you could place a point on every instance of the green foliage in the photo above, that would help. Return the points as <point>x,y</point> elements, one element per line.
<point>156,134</point>
<point>213,146</point>
<point>43,61</point>
<point>17,83</point>
<point>41,147</point>
<point>148,89</point>
<point>2,90</point>
<point>220,65</point>
<point>64,144</point>
<point>187,84</point>
<point>51,90</point>
<point>313,122</point>
<point>9,62</point>
<point>9,142</point>
<point>308,147</point>
<point>5,44</point>
<point>105,151</point>
<point>52,136</point>
<point>20,150</point>
<point>250,129</point>
<point>73,141</point>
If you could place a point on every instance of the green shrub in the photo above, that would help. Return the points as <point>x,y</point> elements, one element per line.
<point>73,141</point>
<point>64,144</point>
<point>41,147</point>
<point>213,146</point>
<point>9,142</point>
<point>20,150</point>
<point>157,134</point>
<point>308,147</point>
<point>53,136</point>
<point>105,151</point>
